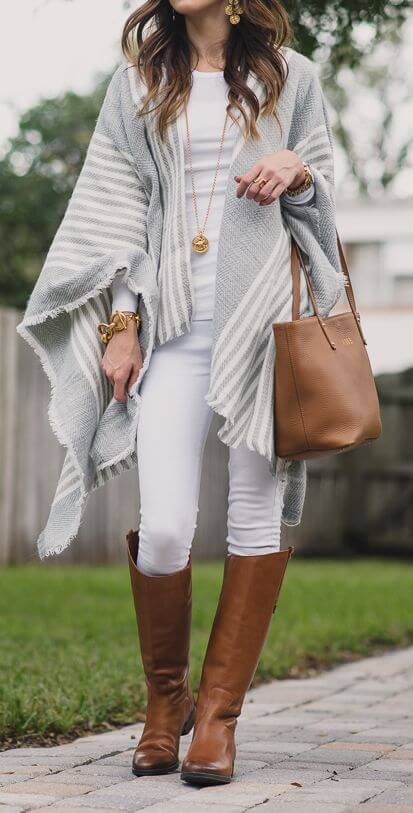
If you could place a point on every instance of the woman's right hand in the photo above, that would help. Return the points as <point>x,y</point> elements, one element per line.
<point>122,360</point>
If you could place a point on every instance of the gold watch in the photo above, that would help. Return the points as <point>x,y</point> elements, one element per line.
<point>308,180</point>
<point>118,321</point>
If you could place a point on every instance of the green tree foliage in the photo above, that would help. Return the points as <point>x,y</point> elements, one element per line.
<point>37,175</point>
<point>332,27</point>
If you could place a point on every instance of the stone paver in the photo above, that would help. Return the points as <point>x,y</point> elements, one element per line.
<point>331,743</point>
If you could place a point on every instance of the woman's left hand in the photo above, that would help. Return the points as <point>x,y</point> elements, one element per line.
<point>281,170</point>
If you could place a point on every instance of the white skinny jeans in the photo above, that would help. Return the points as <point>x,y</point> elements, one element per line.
<point>172,431</point>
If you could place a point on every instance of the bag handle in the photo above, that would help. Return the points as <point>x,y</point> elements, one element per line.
<point>297,263</point>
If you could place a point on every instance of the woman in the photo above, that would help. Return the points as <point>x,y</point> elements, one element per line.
<point>212,147</point>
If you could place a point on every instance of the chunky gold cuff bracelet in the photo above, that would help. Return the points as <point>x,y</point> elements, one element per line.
<point>308,180</point>
<point>118,321</point>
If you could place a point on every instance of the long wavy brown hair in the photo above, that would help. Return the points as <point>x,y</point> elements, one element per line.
<point>159,48</point>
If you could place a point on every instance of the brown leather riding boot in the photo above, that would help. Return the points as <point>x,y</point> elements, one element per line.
<point>163,613</point>
<point>249,595</point>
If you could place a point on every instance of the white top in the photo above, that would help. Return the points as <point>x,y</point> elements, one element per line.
<point>206,114</point>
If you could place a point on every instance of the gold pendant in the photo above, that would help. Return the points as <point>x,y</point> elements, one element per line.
<point>200,243</point>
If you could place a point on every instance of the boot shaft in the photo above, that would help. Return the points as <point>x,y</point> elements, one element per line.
<point>249,596</point>
<point>163,607</point>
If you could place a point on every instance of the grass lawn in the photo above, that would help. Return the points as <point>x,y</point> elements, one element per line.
<point>69,658</point>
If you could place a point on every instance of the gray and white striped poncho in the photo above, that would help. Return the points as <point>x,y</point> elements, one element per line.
<point>127,213</point>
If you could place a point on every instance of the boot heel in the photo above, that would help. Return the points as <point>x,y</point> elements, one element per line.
<point>189,724</point>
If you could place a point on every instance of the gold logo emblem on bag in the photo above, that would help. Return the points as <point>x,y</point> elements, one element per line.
<point>347,340</point>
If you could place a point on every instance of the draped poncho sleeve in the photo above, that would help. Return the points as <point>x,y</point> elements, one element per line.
<point>313,225</point>
<point>104,231</point>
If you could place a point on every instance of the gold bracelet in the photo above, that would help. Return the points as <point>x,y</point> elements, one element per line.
<point>308,180</point>
<point>118,321</point>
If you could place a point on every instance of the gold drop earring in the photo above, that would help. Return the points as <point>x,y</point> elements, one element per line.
<point>234,11</point>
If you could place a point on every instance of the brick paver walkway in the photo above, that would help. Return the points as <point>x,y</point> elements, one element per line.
<point>329,743</point>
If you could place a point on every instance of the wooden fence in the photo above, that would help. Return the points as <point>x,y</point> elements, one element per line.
<point>354,501</point>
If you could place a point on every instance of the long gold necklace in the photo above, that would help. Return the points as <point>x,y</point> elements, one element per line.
<point>200,243</point>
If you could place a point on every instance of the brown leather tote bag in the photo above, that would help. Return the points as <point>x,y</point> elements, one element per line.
<point>325,397</point>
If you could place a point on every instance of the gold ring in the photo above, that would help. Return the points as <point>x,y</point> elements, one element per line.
<point>260,181</point>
